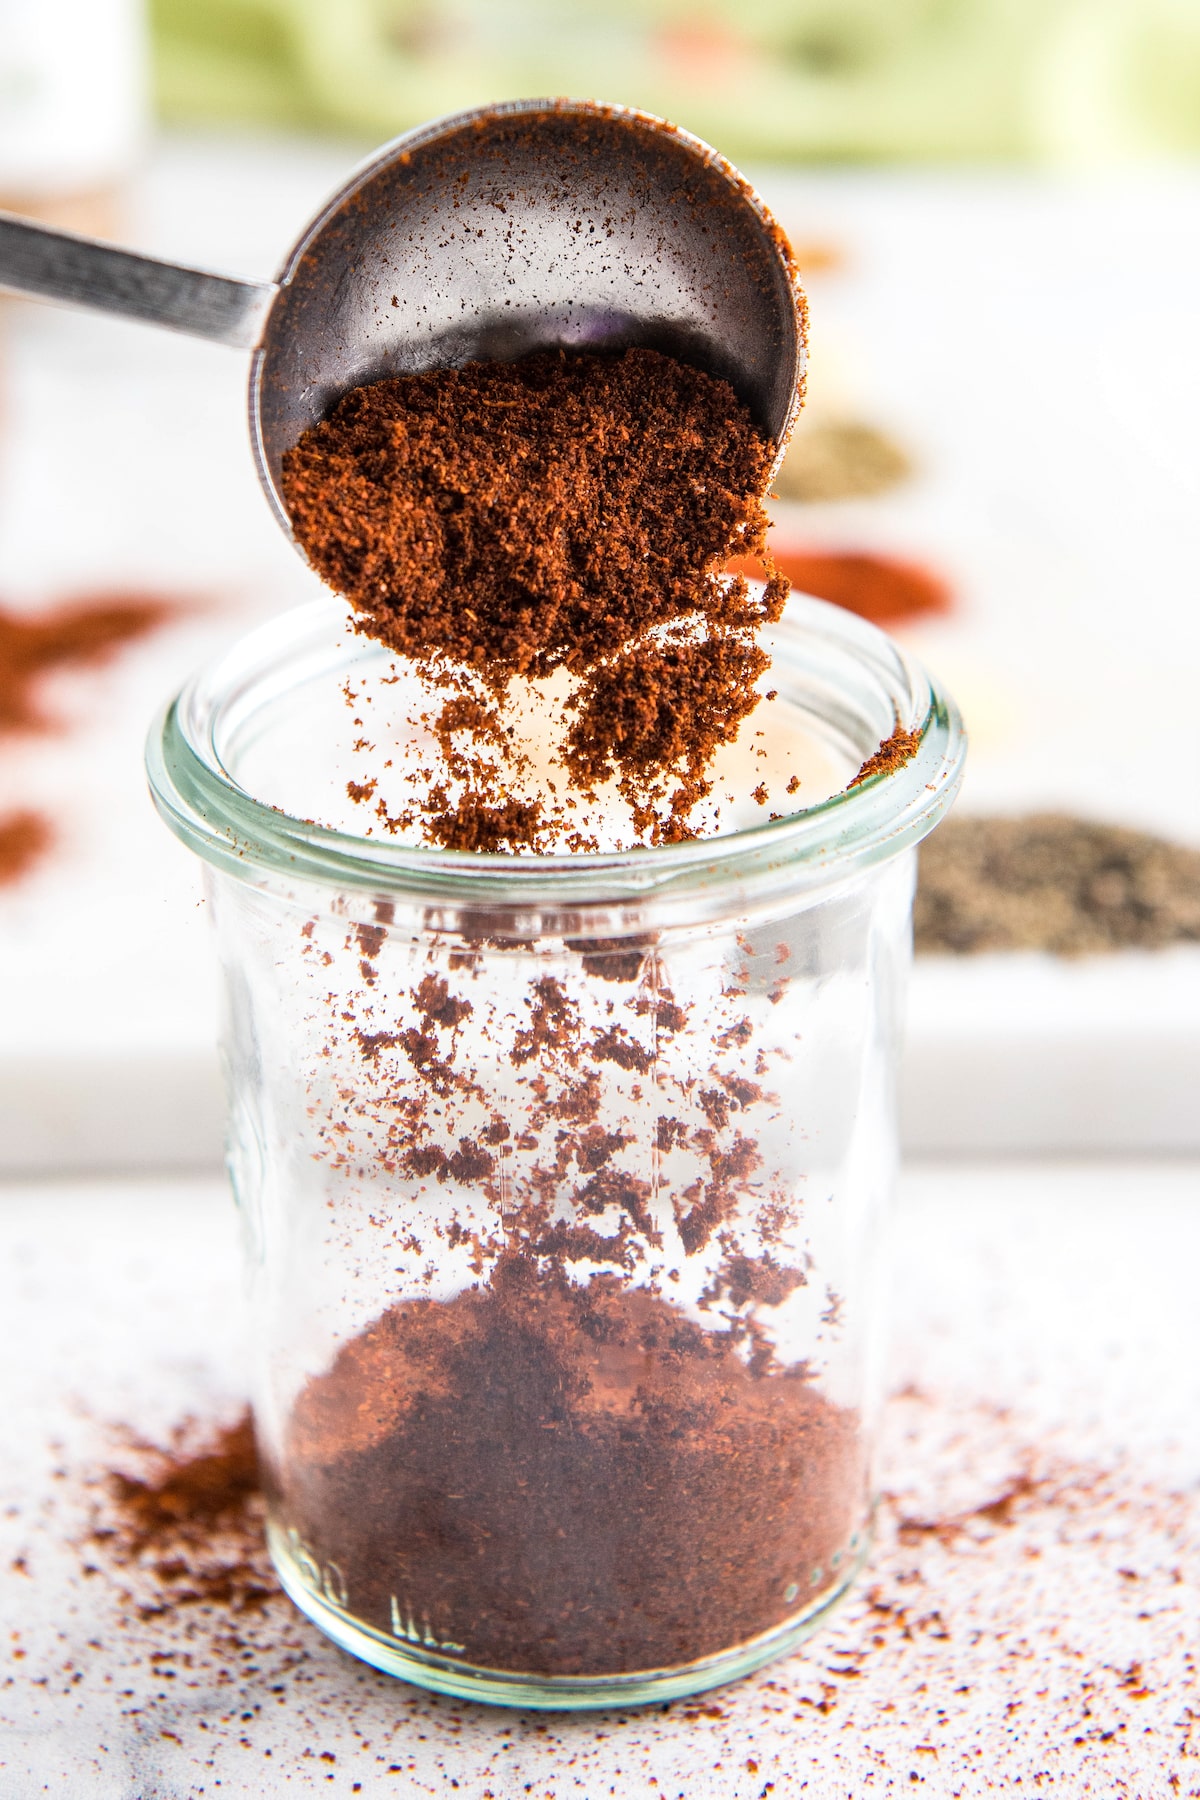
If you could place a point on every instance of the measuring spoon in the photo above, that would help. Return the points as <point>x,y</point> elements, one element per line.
<point>528,225</point>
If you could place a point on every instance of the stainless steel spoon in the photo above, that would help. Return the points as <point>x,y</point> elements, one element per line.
<point>521,226</point>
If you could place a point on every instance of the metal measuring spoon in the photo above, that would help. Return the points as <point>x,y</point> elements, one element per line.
<point>528,225</point>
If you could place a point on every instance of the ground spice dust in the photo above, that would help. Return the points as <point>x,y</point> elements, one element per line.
<point>895,750</point>
<point>567,1480</point>
<point>582,1435</point>
<point>182,1525</point>
<point>567,511</point>
<point>663,708</point>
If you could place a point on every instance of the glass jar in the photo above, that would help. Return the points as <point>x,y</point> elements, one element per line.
<point>563,1181</point>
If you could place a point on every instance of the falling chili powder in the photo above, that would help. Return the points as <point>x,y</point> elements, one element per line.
<point>566,511</point>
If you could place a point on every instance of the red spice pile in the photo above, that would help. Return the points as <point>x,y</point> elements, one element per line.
<point>883,589</point>
<point>25,838</point>
<point>87,631</point>
<point>564,511</point>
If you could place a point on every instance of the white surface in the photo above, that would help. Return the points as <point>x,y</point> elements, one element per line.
<point>1031,1053</point>
<point>1046,1332</point>
<point>73,75</point>
<point>1032,340</point>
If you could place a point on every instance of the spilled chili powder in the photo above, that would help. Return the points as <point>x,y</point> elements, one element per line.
<point>895,750</point>
<point>182,1524</point>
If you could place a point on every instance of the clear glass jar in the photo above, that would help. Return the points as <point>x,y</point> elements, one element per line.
<point>563,1181</point>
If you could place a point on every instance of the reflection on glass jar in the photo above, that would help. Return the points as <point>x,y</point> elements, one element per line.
<point>568,1178</point>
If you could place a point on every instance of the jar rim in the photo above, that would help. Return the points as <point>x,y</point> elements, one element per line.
<point>816,847</point>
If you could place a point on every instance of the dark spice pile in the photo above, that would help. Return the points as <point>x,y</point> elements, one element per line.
<point>568,1480</point>
<point>1048,881</point>
<point>561,512</point>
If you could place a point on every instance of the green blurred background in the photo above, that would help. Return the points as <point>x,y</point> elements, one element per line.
<point>1058,81</point>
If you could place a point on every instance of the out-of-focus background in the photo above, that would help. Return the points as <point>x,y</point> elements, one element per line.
<point>995,205</point>
<point>769,80</point>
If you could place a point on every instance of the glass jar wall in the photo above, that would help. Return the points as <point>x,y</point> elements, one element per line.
<point>564,1181</point>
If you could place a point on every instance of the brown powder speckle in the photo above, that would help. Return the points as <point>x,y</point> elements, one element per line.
<point>184,1523</point>
<point>897,749</point>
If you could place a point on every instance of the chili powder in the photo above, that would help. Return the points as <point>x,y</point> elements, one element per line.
<point>567,511</point>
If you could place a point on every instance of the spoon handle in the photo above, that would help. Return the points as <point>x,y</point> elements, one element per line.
<point>58,265</point>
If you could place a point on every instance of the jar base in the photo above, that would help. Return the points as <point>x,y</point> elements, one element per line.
<point>548,1693</point>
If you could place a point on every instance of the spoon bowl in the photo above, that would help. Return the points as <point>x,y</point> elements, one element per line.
<point>528,225</point>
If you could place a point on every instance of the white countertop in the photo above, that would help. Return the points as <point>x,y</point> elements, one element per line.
<point>1028,1623</point>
